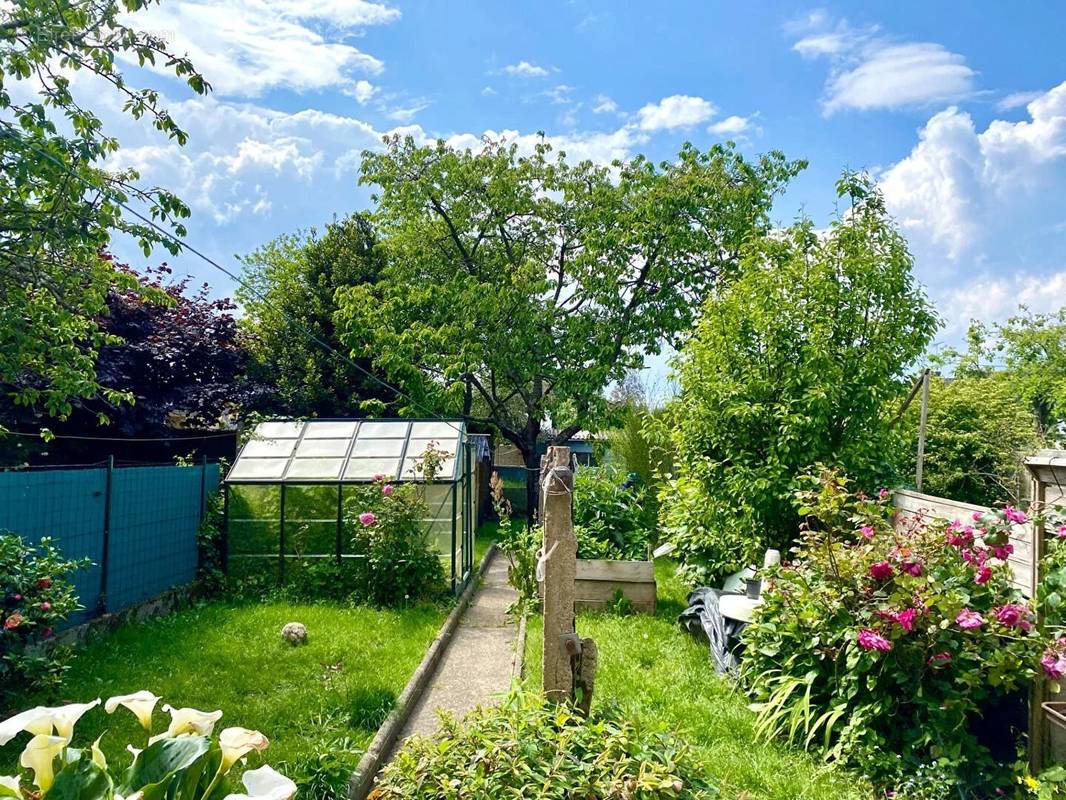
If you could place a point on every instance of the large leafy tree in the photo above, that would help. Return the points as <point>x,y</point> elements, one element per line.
<point>289,299</point>
<point>792,363</point>
<point>517,287</point>
<point>176,361</point>
<point>58,206</point>
<point>1034,347</point>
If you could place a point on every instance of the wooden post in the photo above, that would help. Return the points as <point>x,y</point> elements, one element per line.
<point>560,570</point>
<point>921,431</point>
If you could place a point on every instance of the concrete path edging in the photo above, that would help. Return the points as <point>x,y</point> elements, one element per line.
<point>362,780</point>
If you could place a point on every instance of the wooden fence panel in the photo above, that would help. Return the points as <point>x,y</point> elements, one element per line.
<point>1022,561</point>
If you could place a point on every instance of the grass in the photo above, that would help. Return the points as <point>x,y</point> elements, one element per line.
<point>657,672</point>
<point>486,534</point>
<point>319,704</point>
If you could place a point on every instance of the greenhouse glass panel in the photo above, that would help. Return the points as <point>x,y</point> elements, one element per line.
<point>287,502</point>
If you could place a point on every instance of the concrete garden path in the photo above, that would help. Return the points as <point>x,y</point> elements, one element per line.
<point>478,664</point>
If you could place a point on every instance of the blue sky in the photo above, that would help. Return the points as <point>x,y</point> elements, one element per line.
<point>958,109</point>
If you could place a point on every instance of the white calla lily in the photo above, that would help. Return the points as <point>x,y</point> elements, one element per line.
<point>265,783</point>
<point>44,720</point>
<point>65,717</point>
<point>189,720</point>
<point>98,754</point>
<point>9,786</point>
<point>36,720</point>
<point>134,751</point>
<point>39,756</point>
<point>236,743</point>
<point>141,704</point>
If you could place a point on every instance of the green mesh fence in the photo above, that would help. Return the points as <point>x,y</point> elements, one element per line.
<point>138,525</point>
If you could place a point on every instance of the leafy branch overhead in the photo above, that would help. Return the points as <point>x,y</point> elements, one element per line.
<point>518,286</point>
<point>59,208</point>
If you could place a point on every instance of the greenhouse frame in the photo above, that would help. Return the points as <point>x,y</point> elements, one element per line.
<point>284,497</point>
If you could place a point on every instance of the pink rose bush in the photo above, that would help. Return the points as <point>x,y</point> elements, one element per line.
<point>898,638</point>
<point>386,524</point>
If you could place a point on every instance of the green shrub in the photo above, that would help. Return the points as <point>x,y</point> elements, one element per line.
<point>794,362</point>
<point>401,565</point>
<point>881,648</point>
<point>528,748</point>
<point>611,520</point>
<point>36,597</point>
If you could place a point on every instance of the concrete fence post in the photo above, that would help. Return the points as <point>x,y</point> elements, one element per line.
<point>559,556</point>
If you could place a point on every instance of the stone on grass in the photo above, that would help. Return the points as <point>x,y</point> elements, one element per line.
<point>294,633</point>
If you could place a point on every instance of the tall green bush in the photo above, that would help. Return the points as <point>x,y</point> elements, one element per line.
<point>977,432</point>
<point>791,363</point>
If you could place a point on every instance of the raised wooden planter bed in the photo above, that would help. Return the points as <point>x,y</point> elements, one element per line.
<point>599,581</point>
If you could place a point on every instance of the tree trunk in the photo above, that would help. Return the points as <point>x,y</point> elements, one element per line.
<point>528,446</point>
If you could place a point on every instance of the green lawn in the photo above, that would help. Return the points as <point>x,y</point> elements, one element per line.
<point>328,697</point>
<point>486,534</point>
<point>656,671</point>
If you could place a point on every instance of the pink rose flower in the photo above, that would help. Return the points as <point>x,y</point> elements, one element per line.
<point>47,633</point>
<point>368,518</point>
<point>13,621</point>
<point>388,489</point>
<point>1014,515</point>
<point>1054,664</point>
<point>968,620</point>
<point>1061,531</point>
<point>882,493</point>
<point>871,640</point>
<point>1002,551</point>
<point>378,478</point>
<point>1011,615</point>
<point>906,618</point>
<point>912,568</point>
<point>939,659</point>
<point>46,606</point>
<point>867,531</point>
<point>977,516</point>
<point>881,571</point>
<point>983,575</point>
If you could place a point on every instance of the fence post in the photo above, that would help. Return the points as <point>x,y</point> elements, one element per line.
<point>560,570</point>
<point>225,529</point>
<point>203,486</point>
<point>105,555</point>
<point>921,431</point>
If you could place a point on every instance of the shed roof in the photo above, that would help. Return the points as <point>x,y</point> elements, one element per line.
<point>346,450</point>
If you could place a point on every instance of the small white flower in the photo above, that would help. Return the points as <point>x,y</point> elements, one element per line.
<point>39,756</point>
<point>141,703</point>
<point>265,783</point>
<point>236,743</point>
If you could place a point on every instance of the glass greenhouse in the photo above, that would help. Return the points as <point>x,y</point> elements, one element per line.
<point>284,498</point>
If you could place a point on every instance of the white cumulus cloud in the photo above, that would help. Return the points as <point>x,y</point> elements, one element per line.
<point>245,47</point>
<point>524,69</point>
<point>979,209</point>
<point>676,111</point>
<point>869,70</point>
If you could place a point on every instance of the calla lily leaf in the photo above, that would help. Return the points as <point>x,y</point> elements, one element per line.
<point>155,767</point>
<point>82,779</point>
